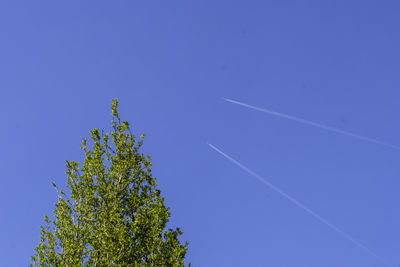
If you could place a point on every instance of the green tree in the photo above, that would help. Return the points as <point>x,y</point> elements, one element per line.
<point>112,214</point>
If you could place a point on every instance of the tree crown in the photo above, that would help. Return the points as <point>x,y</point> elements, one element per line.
<point>112,214</point>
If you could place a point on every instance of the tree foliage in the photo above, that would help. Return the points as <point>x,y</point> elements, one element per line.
<point>112,214</point>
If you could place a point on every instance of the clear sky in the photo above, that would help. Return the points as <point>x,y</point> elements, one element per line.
<point>169,62</point>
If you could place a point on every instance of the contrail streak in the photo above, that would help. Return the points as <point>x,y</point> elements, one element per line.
<point>299,204</point>
<point>318,125</point>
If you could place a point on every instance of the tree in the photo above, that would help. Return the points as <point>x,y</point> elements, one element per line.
<point>112,214</point>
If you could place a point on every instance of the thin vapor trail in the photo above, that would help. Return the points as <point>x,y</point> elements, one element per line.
<point>299,204</point>
<point>318,125</point>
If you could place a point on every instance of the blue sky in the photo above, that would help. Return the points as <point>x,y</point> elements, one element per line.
<point>169,63</point>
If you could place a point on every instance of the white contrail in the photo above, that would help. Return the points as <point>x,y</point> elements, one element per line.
<point>299,204</point>
<point>300,120</point>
